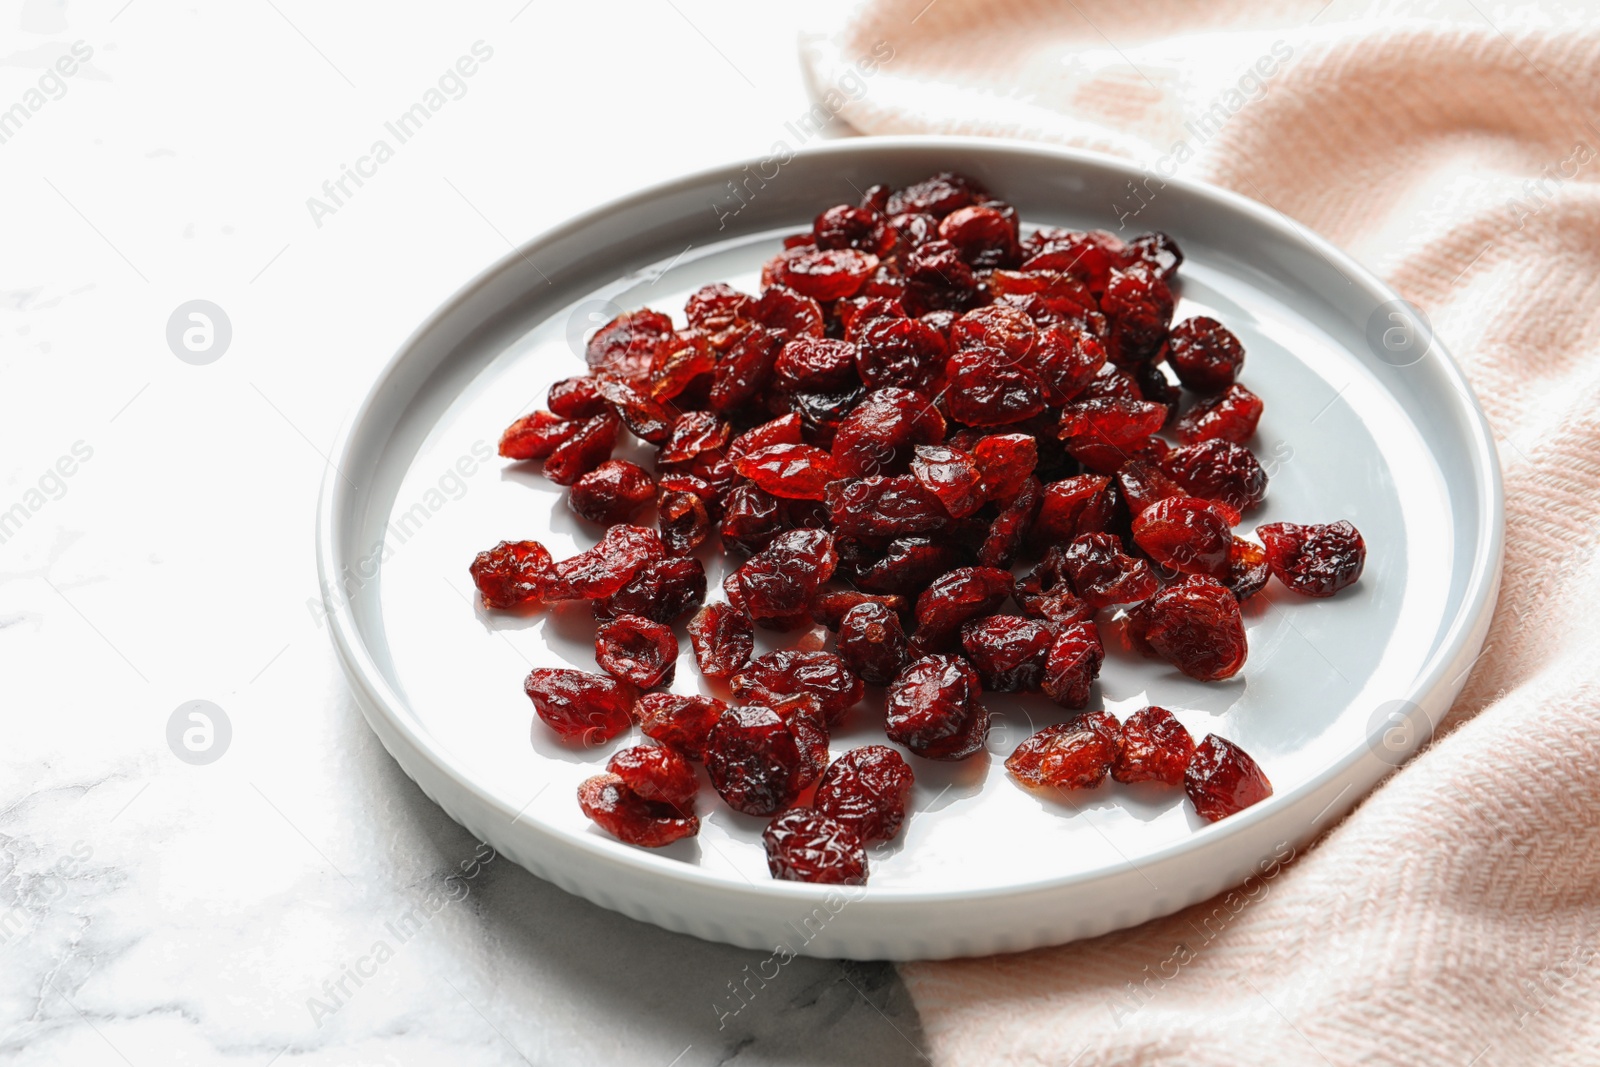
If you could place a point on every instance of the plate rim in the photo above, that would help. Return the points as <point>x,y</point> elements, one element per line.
<point>376,696</point>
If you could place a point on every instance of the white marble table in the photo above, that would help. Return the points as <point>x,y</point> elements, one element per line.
<point>296,899</point>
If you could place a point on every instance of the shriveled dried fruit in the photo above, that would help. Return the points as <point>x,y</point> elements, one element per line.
<point>796,472</point>
<point>620,557</point>
<point>627,345</point>
<point>951,475</point>
<point>934,709</point>
<point>1186,534</point>
<point>1142,483</point>
<point>723,639</point>
<point>576,398</point>
<point>962,594</point>
<point>1139,304</point>
<point>665,591</point>
<point>867,789</point>
<point>1314,560</point>
<point>884,507</point>
<point>537,435</point>
<point>989,388</point>
<point>908,565</point>
<point>1223,780</point>
<point>1248,570</point>
<point>1155,748</point>
<point>880,436</point>
<point>790,313</point>
<point>694,432</point>
<point>585,450</point>
<point>580,707</point>
<point>1231,415</point>
<point>753,761</point>
<point>658,775</point>
<point>1073,664</point>
<point>1071,507</point>
<point>1009,651</point>
<point>824,274</point>
<point>1006,460</point>
<point>1102,574</point>
<point>1204,354</point>
<point>1195,626</point>
<point>872,642</point>
<point>637,650</point>
<point>816,365</point>
<point>829,609</point>
<point>513,574</point>
<point>781,580</point>
<point>1219,470</point>
<point>612,492</point>
<point>685,522</point>
<point>679,722</point>
<point>899,352</point>
<point>804,845</point>
<point>1069,755</point>
<point>822,675</point>
<point>1013,526</point>
<point>625,815</point>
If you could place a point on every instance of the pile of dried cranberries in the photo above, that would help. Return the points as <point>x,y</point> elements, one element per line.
<point>937,439</point>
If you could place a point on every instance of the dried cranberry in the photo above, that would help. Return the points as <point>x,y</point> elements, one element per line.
<point>1314,560</point>
<point>513,574</point>
<point>934,710</point>
<point>1186,534</point>
<point>747,370</point>
<point>1204,354</point>
<point>1139,304</point>
<point>537,435</point>
<point>908,565</point>
<point>1155,748</point>
<point>939,271</point>
<point>579,706</point>
<point>1222,780</point>
<point>781,580</point>
<point>844,226</point>
<point>951,475</point>
<point>683,367</point>
<point>612,492</point>
<point>816,365</point>
<point>1102,574</point>
<point>647,419</point>
<point>1073,506</point>
<point>717,307</point>
<point>793,314</point>
<point>829,609</point>
<point>899,352</point>
<point>796,472</point>
<point>627,345</point>
<point>1067,361</point>
<point>637,650</point>
<point>1073,664</point>
<point>1219,470</point>
<point>751,518</point>
<point>576,398</point>
<point>1248,570</point>
<point>995,326</point>
<point>658,775</point>
<point>1158,250</point>
<point>867,789</point>
<point>873,643</point>
<point>693,432</point>
<point>1012,527</point>
<point>984,236</point>
<point>1195,626</point>
<point>884,507</point>
<point>1068,755</point>
<point>685,522</point>
<point>1142,483</point>
<point>665,591</point>
<point>723,640</point>
<point>807,846</point>
<point>622,554</point>
<point>628,817</point>
<point>584,450</point>
<point>937,196</point>
<point>1232,416</point>
<point>753,761</point>
<point>1006,461</point>
<point>987,389</point>
<point>954,598</point>
<point>787,672</point>
<point>1009,651</point>
<point>879,437</point>
<point>824,274</point>
<point>1111,420</point>
<point>679,722</point>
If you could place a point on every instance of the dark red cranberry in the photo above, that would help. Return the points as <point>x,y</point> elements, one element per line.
<point>807,846</point>
<point>1314,560</point>
<point>1223,780</point>
<point>867,790</point>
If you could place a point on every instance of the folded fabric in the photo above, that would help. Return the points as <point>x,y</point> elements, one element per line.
<point>1454,917</point>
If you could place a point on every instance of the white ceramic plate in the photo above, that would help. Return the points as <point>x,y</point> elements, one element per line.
<point>1365,420</point>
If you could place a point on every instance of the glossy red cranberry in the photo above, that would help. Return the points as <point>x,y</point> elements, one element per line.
<point>1231,416</point>
<point>996,326</point>
<point>781,580</point>
<point>684,520</point>
<point>658,775</point>
<point>628,817</point>
<point>824,274</point>
<point>1072,664</point>
<point>962,594</point>
<point>537,435</point>
<point>881,435</point>
<point>753,760</point>
<point>723,640</point>
<point>513,574</point>
<point>788,672</point>
<point>585,450</point>
<point>665,591</point>
<point>612,492</point>
<point>1013,526</point>
<point>845,226</point>
<point>626,346</point>
<point>1204,354</point>
<point>1248,570</point>
<point>580,707</point>
<point>989,388</point>
<point>1223,780</point>
<point>679,722</point>
<point>872,643</point>
<point>884,507</point>
<point>576,398</point>
<point>1070,755</point>
<point>1219,470</point>
<point>1071,507</point>
<point>816,365</point>
<point>789,313</point>
<point>937,196</point>
<point>638,651</point>
<point>1314,560</point>
<point>1102,574</point>
<point>804,845</point>
<point>1195,626</point>
<point>934,709</point>
<point>620,557</point>
<point>1155,748</point>
<point>1142,483</point>
<point>1067,361</point>
<point>795,472</point>
<point>1185,534</point>
<point>1139,304</point>
<point>951,475</point>
<point>1007,461</point>
<point>867,789</point>
<point>717,307</point>
<point>1008,651</point>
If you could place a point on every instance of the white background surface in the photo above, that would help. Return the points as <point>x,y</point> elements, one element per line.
<point>154,912</point>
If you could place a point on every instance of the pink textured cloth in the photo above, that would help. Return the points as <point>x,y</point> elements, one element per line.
<point>1454,917</point>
